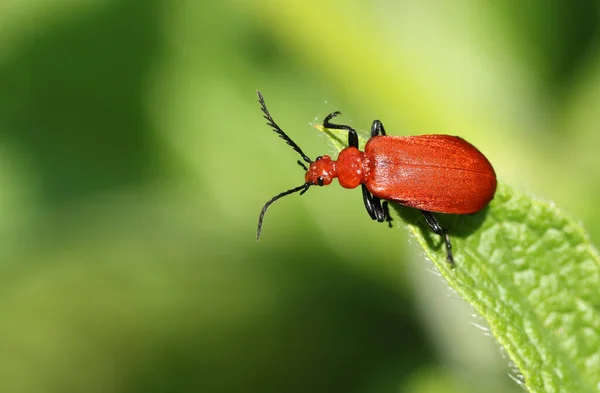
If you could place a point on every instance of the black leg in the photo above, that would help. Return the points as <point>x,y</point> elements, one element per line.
<point>386,213</point>
<point>377,129</point>
<point>368,200</point>
<point>377,210</point>
<point>435,227</point>
<point>352,136</point>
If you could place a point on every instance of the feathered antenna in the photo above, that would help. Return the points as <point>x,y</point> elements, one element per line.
<point>303,188</point>
<point>278,130</point>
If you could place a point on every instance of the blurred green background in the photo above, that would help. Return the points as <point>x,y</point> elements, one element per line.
<point>134,163</point>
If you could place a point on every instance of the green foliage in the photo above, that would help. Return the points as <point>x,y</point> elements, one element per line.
<point>531,272</point>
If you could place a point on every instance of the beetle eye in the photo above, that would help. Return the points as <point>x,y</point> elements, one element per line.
<point>320,181</point>
<point>318,158</point>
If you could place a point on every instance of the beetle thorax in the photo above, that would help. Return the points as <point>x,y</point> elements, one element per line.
<point>350,167</point>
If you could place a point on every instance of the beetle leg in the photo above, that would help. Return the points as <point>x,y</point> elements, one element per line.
<point>377,129</point>
<point>352,136</point>
<point>379,211</point>
<point>436,227</point>
<point>386,213</point>
<point>368,200</point>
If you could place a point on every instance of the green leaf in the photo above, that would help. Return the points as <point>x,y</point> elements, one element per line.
<point>532,274</point>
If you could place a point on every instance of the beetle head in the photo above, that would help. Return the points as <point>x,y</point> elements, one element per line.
<point>321,172</point>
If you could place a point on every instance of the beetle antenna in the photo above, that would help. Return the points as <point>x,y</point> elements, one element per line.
<point>302,165</point>
<point>278,130</point>
<point>303,188</point>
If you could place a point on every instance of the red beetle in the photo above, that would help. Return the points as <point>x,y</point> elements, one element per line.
<point>432,173</point>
